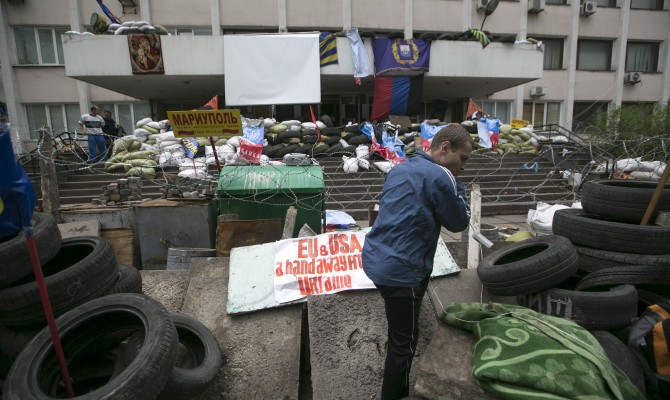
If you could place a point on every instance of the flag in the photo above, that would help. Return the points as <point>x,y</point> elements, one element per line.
<point>396,57</point>
<point>17,196</point>
<point>397,96</point>
<point>190,146</point>
<point>473,108</point>
<point>481,36</point>
<point>109,14</point>
<point>327,48</point>
<point>211,105</point>
<point>359,55</point>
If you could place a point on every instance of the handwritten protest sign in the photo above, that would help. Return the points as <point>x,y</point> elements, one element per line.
<point>322,264</point>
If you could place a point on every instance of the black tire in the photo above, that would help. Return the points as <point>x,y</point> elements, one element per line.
<point>352,129</point>
<point>192,374</point>
<point>272,138</point>
<point>428,36</point>
<point>349,150</point>
<point>289,134</point>
<point>304,149</point>
<point>309,139</point>
<point>16,262</point>
<point>84,269</point>
<point>286,150</point>
<point>105,321</point>
<point>529,266</point>
<point>622,200</point>
<point>646,298</point>
<point>334,149</point>
<point>330,140</point>
<point>327,121</point>
<point>308,132</point>
<point>348,135</point>
<point>592,310</point>
<point>14,339</point>
<point>129,280</point>
<point>594,259</point>
<point>331,132</point>
<point>320,148</point>
<point>631,275</point>
<point>291,141</point>
<point>622,358</point>
<point>274,149</point>
<point>585,229</point>
<point>361,139</point>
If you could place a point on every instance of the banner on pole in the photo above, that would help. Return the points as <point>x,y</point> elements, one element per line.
<point>321,264</point>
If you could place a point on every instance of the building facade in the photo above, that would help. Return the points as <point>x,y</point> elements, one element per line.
<point>594,55</point>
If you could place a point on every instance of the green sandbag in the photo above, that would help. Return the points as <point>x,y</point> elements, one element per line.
<point>139,163</point>
<point>135,145</point>
<point>142,172</point>
<point>203,141</point>
<point>145,154</point>
<point>220,142</point>
<point>505,128</point>
<point>150,129</point>
<point>113,166</point>
<point>279,128</point>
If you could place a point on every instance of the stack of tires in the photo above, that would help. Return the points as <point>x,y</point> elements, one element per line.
<point>601,268</point>
<point>117,342</point>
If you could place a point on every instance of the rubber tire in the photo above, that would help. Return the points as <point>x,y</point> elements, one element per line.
<point>320,148</point>
<point>527,267</point>
<point>352,129</point>
<point>585,229</point>
<point>84,269</point>
<point>361,139</point>
<point>327,121</point>
<point>304,149</point>
<point>81,330</point>
<point>330,140</point>
<point>272,138</point>
<point>632,275</point>
<point>592,260</point>
<point>272,151</point>
<point>308,132</point>
<point>14,339</point>
<point>334,149</point>
<point>286,150</point>
<point>289,135</point>
<point>349,150</point>
<point>607,310</point>
<point>16,262</point>
<point>622,358</point>
<point>622,200</point>
<point>291,141</point>
<point>331,132</point>
<point>187,383</point>
<point>309,139</point>
<point>129,281</point>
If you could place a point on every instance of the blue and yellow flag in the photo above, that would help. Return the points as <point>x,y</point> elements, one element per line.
<point>327,48</point>
<point>190,146</point>
<point>481,37</point>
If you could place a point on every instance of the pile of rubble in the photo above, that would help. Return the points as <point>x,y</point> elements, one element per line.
<point>123,191</point>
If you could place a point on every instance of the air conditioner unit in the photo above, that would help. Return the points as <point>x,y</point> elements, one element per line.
<point>535,6</point>
<point>632,78</point>
<point>588,8</point>
<point>537,91</point>
<point>481,5</point>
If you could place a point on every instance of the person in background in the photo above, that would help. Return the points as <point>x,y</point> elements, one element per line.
<point>419,196</point>
<point>92,124</point>
<point>111,130</point>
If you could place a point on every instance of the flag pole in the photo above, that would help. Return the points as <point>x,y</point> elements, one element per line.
<point>216,156</point>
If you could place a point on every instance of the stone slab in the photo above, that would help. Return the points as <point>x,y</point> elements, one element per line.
<point>167,287</point>
<point>261,350</point>
<point>348,336</point>
<point>89,227</point>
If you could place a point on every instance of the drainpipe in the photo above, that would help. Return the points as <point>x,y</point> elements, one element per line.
<point>622,42</point>
<point>523,31</point>
<point>572,63</point>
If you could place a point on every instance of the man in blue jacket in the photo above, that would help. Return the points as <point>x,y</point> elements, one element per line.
<point>419,197</point>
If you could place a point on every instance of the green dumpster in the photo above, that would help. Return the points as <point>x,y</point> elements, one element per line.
<point>255,192</point>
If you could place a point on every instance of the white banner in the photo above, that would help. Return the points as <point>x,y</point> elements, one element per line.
<point>322,264</point>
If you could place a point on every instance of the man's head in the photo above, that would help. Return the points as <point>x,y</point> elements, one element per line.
<point>451,148</point>
<point>107,114</point>
<point>94,111</point>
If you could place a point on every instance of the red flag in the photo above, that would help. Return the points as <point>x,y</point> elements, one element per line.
<point>318,131</point>
<point>212,104</point>
<point>472,108</point>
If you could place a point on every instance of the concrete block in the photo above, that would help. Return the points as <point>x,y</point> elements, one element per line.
<point>79,228</point>
<point>261,350</point>
<point>445,370</point>
<point>167,287</point>
<point>348,336</point>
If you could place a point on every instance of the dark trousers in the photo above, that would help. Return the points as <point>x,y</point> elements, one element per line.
<point>402,306</point>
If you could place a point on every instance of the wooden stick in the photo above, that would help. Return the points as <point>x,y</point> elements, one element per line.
<point>657,194</point>
<point>289,223</point>
<point>475,219</point>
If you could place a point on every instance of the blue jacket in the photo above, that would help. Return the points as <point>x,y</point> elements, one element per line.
<point>419,197</point>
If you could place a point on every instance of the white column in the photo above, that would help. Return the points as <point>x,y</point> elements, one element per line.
<point>523,33</point>
<point>82,87</point>
<point>145,11</point>
<point>215,11</point>
<point>572,64</point>
<point>346,14</point>
<point>665,96</point>
<point>620,61</point>
<point>467,14</point>
<point>8,57</point>
<point>409,15</point>
<point>281,15</point>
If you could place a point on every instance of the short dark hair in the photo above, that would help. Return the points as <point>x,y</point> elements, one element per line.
<point>454,134</point>
<point>106,111</point>
<point>94,108</point>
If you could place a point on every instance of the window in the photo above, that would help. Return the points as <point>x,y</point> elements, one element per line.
<point>559,2</point>
<point>587,114</point>
<point>190,31</point>
<point>646,4</point>
<point>499,109</point>
<point>39,45</point>
<point>594,55</point>
<point>642,57</point>
<point>542,113</point>
<point>606,3</point>
<point>60,117</point>
<point>553,53</point>
<point>127,114</point>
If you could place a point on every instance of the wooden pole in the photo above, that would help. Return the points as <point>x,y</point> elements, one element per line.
<point>49,181</point>
<point>289,223</point>
<point>475,219</point>
<point>657,194</point>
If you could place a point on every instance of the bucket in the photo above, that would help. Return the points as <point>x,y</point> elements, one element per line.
<point>489,231</point>
<point>372,215</point>
<point>179,258</point>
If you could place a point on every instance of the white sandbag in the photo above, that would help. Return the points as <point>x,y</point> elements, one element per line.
<point>294,128</point>
<point>344,143</point>
<point>539,220</point>
<point>192,164</point>
<point>362,151</point>
<point>141,132</point>
<point>320,125</point>
<point>628,164</point>
<point>467,123</point>
<point>384,166</point>
<point>276,163</point>
<point>265,160</point>
<point>559,139</point>
<point>291,122</point>
<point>143,121</point>
<point>211,160</point>
<point>268,122</point>
<point>163,136</point>
<point>527,129</point>
<point>164,158</point>
<point>308,125</point>
<point>349,165</point>
<point>234,141</point>
<point>643,176</point>
<point>649,166</point>
<point>659,171</point>
<point>169,142</point>
<point>172,148</point>
<point>153,124</point>
<point>193,173</point>
<point>363,164</point>
<point>145,146</point>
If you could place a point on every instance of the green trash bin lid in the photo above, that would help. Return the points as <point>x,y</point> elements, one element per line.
<point>246,180</point>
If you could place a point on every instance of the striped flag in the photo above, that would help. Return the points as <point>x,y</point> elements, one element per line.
<point>327,48</point>
<point>481,36</point>
<point>108,13</point>
<point>397,96</point>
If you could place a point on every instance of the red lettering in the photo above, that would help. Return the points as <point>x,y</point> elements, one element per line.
<point>352,261</point>
<point>190,117</point>
<point>328,265</point>
<point>313,288</point>
<point>302,248</point>
<point>347,281</point>
<point>343,263</point>
<point>303,286</point>
<point>328,285</point>
<point>233,119</point>
<point>355,244</point>
<point>332,244</point>
<point>344,243</point>
<point>220,118</point>
<point>278,271</point>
